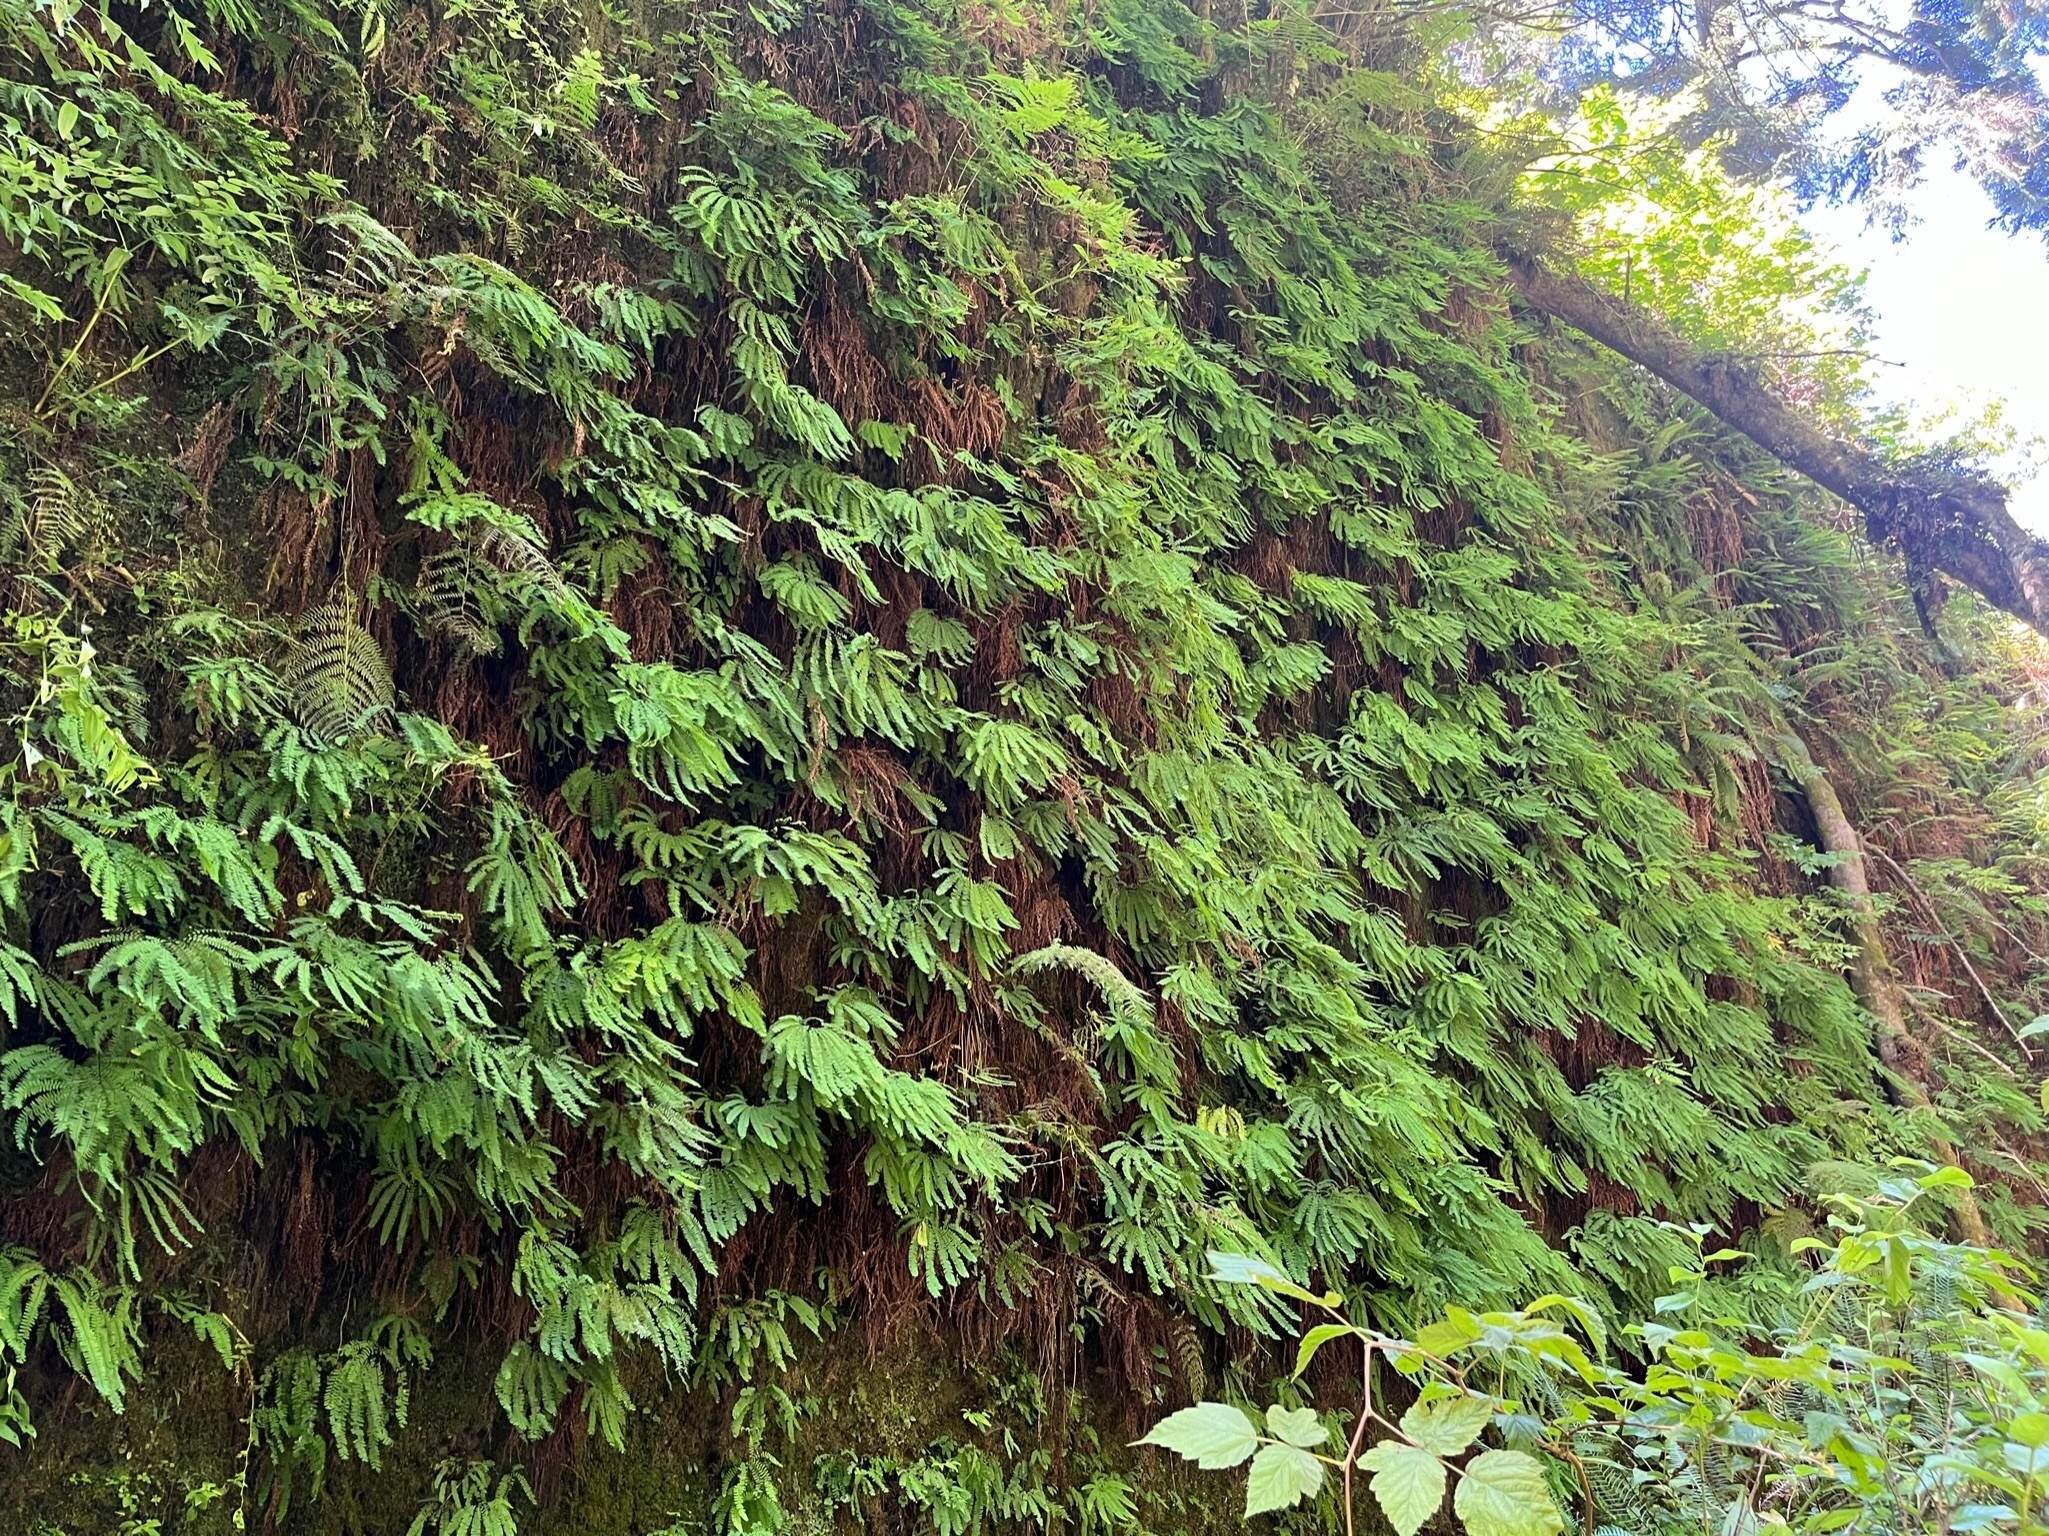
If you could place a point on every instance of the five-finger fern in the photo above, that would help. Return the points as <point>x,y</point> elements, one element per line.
<point>960,662</point>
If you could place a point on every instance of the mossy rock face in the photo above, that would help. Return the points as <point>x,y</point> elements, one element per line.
<point>170,1462</point>
<point>897,1439</point>
<point>945,652</point>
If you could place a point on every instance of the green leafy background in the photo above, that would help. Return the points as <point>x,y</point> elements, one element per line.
<point>722,723</point>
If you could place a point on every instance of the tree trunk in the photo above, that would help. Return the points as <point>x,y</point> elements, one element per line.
<point>1942,520</point>
<point>1871,976</point>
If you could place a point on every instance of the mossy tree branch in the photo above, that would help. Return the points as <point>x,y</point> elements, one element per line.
<point>1950,522</point>
<point>1871,974</point>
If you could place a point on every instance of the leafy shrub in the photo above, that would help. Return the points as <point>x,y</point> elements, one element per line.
<point>1903,1388</point>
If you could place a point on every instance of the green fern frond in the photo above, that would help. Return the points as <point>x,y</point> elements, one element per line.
<point>1188,1356</point>
<point>469,586</point>
<point>450,602</point>
<point>467,1500</point>
<point>335,674</point>
<point>1117,989</point>
<point>58,516</point>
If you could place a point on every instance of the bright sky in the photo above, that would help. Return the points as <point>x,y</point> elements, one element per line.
<point>1964,308</point>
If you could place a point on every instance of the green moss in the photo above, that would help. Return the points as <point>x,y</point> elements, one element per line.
<point>887,1440</point>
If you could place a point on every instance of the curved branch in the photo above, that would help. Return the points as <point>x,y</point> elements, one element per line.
<point>1871,974</point>
<point>1951,522</point>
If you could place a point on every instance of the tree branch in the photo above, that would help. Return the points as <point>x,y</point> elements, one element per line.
<point>1946,521</point>
<point>1871,974</point>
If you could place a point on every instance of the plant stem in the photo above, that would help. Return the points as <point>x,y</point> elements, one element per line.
<point>1359,1429</point>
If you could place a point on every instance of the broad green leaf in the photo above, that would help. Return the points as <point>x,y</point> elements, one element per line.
<point>2029,1460</point>
<point>1975,1517</point>
<point>2001,1371</point>
<point>1315,1339</point>
<point>1282,1476</point>
<point>1240,1268</point>
<point>1458,1329</point>
<point>1519,1430</point>
<point>1447,1425</point>
<point>1408,1481</point>
<point>1948,1178</point>
<point>1822,1428</point>
<point>1580,1312</point>
<point>1243,1269</point>
<point>1899,1279</point>
<point>1212,1435</point>
<point>1835,1521</point>
<point>2030,1429</point>
<point>1297,1426</point>
<point>1503,1493</point>
<point>1296,1292</point>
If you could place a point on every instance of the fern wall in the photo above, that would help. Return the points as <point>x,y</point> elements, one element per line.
<point>723,722</point>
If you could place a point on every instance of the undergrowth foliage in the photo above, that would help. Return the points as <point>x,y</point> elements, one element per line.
<point>656,654</point>
<point>1898,1386</point>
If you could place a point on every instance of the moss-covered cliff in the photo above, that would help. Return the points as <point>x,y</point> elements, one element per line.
<point>722,722</point>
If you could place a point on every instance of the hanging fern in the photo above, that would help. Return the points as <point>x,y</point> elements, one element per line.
<point>1188,1358</point>
<point>1117,989</point>
<point>467,588</point>
<point>467,1500</point>
<point>927,488</point>
<point>57,516</point>
<point>335,674</point>
<point>452,599</point>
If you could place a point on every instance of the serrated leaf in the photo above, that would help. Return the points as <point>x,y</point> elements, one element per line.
<point>1408,1481</point>
<point>1282,1477</point>
<point>1447,1425</point>
<point>1212,1435</point>
<point>1297,1426</point>
<point>1503,1493</point>
<point>1519,1430</point>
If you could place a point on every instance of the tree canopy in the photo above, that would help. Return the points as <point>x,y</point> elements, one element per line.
<point>1769,82</point>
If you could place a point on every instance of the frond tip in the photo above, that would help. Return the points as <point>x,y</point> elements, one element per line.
<point>1118,990</point>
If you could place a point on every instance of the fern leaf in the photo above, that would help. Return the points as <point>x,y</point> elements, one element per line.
<point>1117,989</point>
<point>336,675</point>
